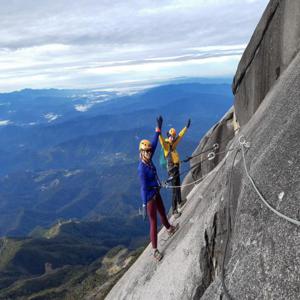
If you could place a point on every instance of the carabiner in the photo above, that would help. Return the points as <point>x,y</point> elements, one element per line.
<point>242,140</point>
<point>211,155</point>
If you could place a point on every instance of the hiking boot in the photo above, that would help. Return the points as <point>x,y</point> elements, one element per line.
<point>157,255</point>
<point>181,205</point>
<point>172,229</point>
<point>176,214</point>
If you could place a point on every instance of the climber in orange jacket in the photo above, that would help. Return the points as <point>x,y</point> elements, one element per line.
<point>173,163</point>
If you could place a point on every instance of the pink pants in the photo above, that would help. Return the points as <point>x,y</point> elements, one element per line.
<point>153,205</point>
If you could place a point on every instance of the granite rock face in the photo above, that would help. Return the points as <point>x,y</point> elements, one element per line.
<point>262,260</point>
<point>274,44</point>
<point>210,151</point>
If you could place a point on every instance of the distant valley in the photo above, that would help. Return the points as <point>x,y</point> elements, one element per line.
<point>69,174</point>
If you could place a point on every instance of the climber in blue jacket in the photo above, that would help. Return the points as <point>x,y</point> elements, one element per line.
<point>150,186</point>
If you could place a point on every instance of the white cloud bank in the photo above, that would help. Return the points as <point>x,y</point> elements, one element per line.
<point>90,43</point>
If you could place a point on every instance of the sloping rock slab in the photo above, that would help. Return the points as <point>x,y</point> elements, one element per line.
<point>263,258</point>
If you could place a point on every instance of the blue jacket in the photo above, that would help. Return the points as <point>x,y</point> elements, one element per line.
<point>148,175</point>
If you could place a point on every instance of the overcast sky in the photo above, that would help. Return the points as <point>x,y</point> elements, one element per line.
<point>108,43</point>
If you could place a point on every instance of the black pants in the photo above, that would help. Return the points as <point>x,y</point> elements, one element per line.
<point>176,192</point>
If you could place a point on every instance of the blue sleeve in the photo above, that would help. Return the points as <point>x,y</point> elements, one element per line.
<point>154,142</point>
<point>144,185</point>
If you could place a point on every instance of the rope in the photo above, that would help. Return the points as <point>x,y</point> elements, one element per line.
<point>209,157</point>
<point>216,146</point>
<point>228,230</point>
<point>184,185</point>
<point>244,144</point>
<point>165,183</point>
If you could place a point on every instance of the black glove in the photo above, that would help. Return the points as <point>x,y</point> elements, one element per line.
<point>159,122</point>
<point>188,123</point>
<point>144,212</point>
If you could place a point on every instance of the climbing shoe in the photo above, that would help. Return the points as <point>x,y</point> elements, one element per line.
<point>176,214</point>
<point>179,208</point>
<point>157,255</point>
<point>172,229</point>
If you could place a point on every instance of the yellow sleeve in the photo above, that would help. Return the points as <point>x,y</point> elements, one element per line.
<point>180,135</point>
<point>164,144</point>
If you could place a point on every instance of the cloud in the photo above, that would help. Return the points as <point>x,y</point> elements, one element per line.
<point>55,42</point>
<point>83,107</point>
<point>51,117</point>
<point>5,122</point>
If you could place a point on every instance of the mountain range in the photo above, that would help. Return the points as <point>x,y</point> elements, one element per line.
<point>69,190</point>
<point>74,166</point>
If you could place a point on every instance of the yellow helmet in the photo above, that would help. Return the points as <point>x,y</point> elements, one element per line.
<point>172,132</point>
<point>145,145</point>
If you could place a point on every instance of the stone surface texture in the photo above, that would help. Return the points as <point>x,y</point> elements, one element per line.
<point>263,255</point>
<point>274,44</point>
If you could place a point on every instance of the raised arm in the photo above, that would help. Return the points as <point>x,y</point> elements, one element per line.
<point>180,136</point>
<point>162,142</point>
<point>182,133</point>
<point>159,122</point>
<point>155,140</point>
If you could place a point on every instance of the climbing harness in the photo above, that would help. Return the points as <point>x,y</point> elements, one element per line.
<point>244,144</point>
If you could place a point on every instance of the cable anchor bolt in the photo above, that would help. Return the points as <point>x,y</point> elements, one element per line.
<point>216,146</point>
